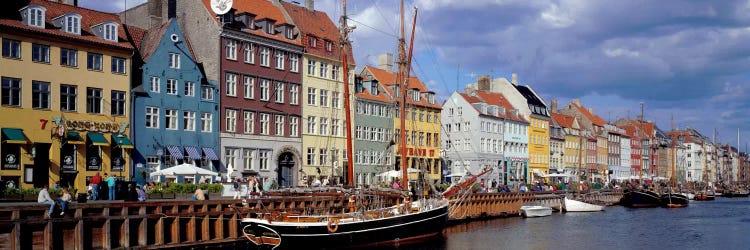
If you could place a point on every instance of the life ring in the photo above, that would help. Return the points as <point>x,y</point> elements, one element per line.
<point>333,225</point>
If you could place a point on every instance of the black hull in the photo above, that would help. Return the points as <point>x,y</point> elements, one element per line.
<point>674,200</point>
<point>388,231</point>
<point>733,194</point>
<point>640,199</point>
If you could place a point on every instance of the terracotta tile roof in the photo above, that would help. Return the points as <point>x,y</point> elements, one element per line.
<point>592,117</point>
<point>89,18</point>
<point>565,121</point>
<point>389,79</point>
<point>136,34</point>
<point>152,39</point>
<point>320,26</point>
<point>381,97</point>
<point>499,100</point>
<point>473,99</point>
<point>262,9</point>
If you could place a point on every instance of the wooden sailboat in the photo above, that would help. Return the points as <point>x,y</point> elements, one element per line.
<point>673,199</point>
<point>573,205</point>
<point>638,197</point>
<point>362,224</point>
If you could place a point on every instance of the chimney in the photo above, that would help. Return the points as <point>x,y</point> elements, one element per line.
<point>553,106</point>
<point>483,82</point>
<point>576,101</point>
<point>310,5</point>
<point>171,9</point>
<point>385,62</point>
<point>514,79</point>
<point>591,110</point>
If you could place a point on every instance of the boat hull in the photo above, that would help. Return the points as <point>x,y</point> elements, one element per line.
<point>535,211</point>
<point>579,206</point>
<point>732,194</point>
<point>702,196</point>
<point>674,200</point>
<point>640,199</point>
<point>394,230</point>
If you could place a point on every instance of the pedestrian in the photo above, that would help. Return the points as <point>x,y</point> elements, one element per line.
<point>199,195</point>
<point>141,194</point>
<point>111,185</point>
<point>95,181</point>
<point>44,198</point>
<point>64,199</point>
<point>236,188</point>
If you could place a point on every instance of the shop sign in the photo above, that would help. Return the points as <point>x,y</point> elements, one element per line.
<point>117,163</point>
<point>94,126</point>
<point>67,159</point>
<point>93,163</point>
<point>11,157</point>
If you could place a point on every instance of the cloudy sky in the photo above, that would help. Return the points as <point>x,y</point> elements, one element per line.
<point>689,59</point>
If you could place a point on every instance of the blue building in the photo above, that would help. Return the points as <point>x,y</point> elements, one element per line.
<point>175,116</point>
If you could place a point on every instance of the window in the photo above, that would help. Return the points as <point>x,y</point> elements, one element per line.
<point>264,119</point>
<point>69,57</point>
<point>170,116</point>
<point>249,87</point>
<point>11,48</point>
<point>231,155</point>
<point>279,125</point>
<point>249,50</point>
<point>335,127</point>
<point>189,89</point>
<point>311,125</point>
<point>312,41</point>
<point>118,65</point>
<point>248,156</point>
<point>207,122</point>
<point>171,86</point>
<point>188,120</point>
<point>152,117</point>
<point>118,103</point>
<point>249,122</point>
<point>310,156</point>
<point>263,159</point>
<point>323,97</point>
<point>335,73</point>
<point>93,62</point>
<point>293,62</point>
<point>110,32</point>
<point>36,17</point>
<point>40,53</point>
<point>289,33</point>
<point>269,28</point>
<point>265,54</point>
<point>323,126</point>
<point>264,85</point>
<point>11,91</point>
<point>311,67</point>
<point>68,96</point>
<point>294,126</point>
<point>329,46</point>
<point>323,156</point>
<point>231,49</point>
<point>207,93</point>
<point>279,92</point>
<point>231,120</point>
<point>155,84</point>
<point>231,83</point>
<point>73,24</point>
<point>310,96</point>
<point>323,70</point>
<point>293,94</point>
<point>40,94</point>
<point>174,60</point>
<point>278,56</point>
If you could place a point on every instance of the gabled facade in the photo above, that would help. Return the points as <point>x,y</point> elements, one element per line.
<point>322,90</point>
<point>373,139</point>
<point>595,127</point>
<point>65,94</point>
<point>556,145</point>
<point>574,153</point>
<point>175,110</point>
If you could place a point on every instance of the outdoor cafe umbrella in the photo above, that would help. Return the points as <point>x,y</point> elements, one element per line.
<point>183,170</point>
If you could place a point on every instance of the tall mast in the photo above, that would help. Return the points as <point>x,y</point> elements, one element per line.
<point>348,121</point>
<point>402,78</point>
<point>671,177</point>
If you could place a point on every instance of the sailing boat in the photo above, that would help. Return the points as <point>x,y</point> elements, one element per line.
<point>673,199</point>
<point>637,197</point>
<point>372,226</point>
<point>572,205</point>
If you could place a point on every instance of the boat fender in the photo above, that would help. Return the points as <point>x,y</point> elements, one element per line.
<point>333,225</point>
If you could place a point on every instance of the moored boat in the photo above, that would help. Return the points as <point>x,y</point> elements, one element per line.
<point>704,196</point>
<point>735,193</point>
<point>673,200</point>
<point>535,210</point>
<point>640,199</point>
<point>579,206</point>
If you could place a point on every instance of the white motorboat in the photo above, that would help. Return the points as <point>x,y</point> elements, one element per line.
<point>690,196</point>
<point>535,210</point>
<point>579,206</point>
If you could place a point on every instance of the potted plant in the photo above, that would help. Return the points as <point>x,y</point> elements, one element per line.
<point>13,194</point>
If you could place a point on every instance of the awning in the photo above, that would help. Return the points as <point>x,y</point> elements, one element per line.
<point>210,154</point>
<point>193,152</point>
<point>14,136</point>
<point>74,138</point>
<point>97,139</point>
<point>122,141</point>
<point>175,151</point>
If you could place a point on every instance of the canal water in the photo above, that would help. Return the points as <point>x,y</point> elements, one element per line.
<point>720,224</point>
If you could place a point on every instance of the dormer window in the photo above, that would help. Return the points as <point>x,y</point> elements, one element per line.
<point>269,28</point>
<point>289,33</point>
<point>329,46</point>
<point>312,41</point>
<point>415,95</point>
<point>431,98</point>
<point>374,88</point>
<point>110,32</point>
<point>33,15</point>
<point>73,24</point>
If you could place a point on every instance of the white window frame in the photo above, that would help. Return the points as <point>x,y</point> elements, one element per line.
<point>155,84</point>
<point>311,125</point>
<point>171,86</point>
<point>36,16</point>
<point>279,59</point>
<point>189,89</point>
<point>249,52</point>
<point>323,126</point>
<point>249,122</point>
<point>335,127</point>
<point>293,94</point>
<point>188,120</point>
<point>335,100</point>
<point>230,121</point>
<point>264,88</point>
<point>230,49</point>
<point>207,93</point>
<point>335,72</point>
<point>293,62</point>
<point>323,97</point>
<point>265,56</point>
<point>323,70</point>
<point>311,64</point>
<point>263,156</point>
<point>174,60</point>
<point>230,81</point>
<point>207,122</point>
<point>110,32</point>
<point>73,24</point>
<point>311,95</point>
<point>264,126</point>
<point>152,117</point>
<point>249,87</point>
<point>170,119</point>
<point>279,131</point>
<point>293,126</point>
<point>279,92</point>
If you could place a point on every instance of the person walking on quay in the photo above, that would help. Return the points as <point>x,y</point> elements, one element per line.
<point>64,199</point>
<point>237,189</point>
<point>141,194</point>
<point>95,181</point>
<point>44,198</point>
<point>111,185</point>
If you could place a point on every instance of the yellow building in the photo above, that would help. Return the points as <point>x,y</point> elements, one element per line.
<point>538,145</point>
<point>574,145</point>
<point>65,95</point>
<point>422,121</point>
